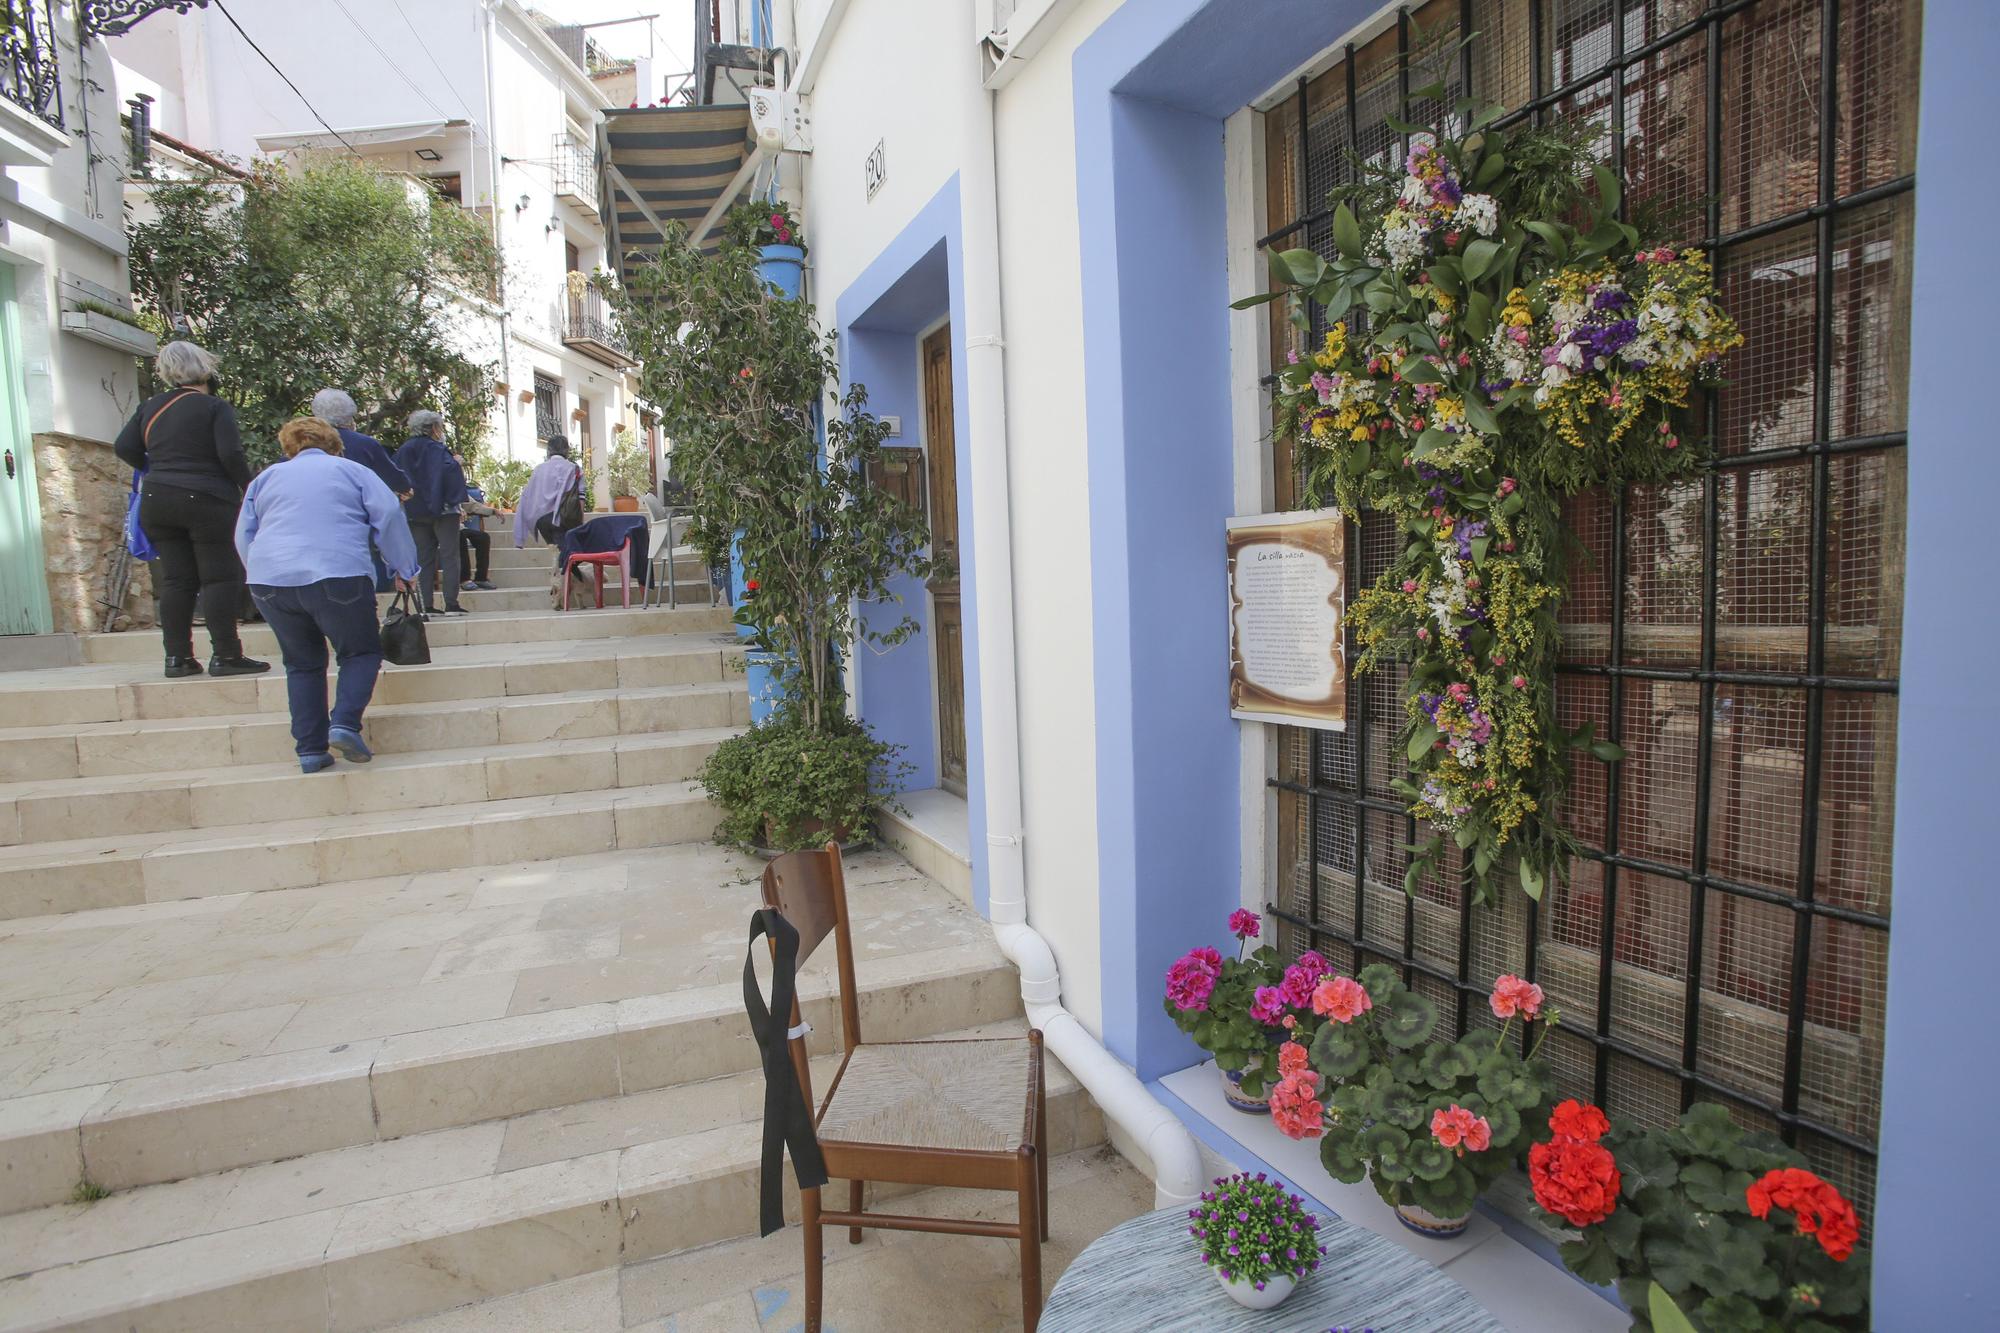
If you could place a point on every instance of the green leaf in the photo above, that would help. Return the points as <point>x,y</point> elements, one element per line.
<point>1552,237</point>
<point>1337,304</point>
<point>1404,126</point>
<point>1590,1259</point>
<point>1480,415</point>
<point>1431,1160</point>
<point>1480,546</point>
<point>1608,193</point>
<point>1411,877</point>
<point>1531,880</point>
<point>1479,256</point>
<point>1489,170</point>
<point>1347,233</point>
<point>1340,1050</point>
<point>1300,268</point>
<point>1430,92</point>
<point>1420,371</point>
<point>1407,1019</point>
<point>1444,276</point>
<point>1261,298</point>
<point>1432,438</point>
<point>1478,316</point>
<point>1422,737</point>
<point>1607,751</point>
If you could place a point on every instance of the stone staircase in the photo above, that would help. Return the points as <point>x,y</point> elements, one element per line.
<point>336,1051</point>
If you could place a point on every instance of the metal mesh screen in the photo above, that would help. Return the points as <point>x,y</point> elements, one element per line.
<point>1724,935</point>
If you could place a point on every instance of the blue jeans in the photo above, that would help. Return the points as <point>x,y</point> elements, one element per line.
<point>305,619</point>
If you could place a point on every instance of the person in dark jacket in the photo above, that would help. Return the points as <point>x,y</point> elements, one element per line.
<point>475,543</point>
<point>187,443</point>
<point>336,408</point>
<point>434,507</point>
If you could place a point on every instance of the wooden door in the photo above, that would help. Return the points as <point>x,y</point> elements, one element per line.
<point>947,620</point>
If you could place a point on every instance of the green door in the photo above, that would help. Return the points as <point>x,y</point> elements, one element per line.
<point>24,593</point>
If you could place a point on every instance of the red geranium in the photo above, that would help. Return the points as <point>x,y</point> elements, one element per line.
<point>1579,1120</point>
<point>1815,1206</point>
<point>1575,1179</point>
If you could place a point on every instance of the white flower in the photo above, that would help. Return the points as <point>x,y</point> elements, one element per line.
<point>1570,357</point>
<point>1480,212</point>
<point>1415,191</point>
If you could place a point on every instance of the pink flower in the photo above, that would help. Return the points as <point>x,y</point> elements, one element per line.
<point>1343,999</point>
<point>1291,1059</point>
<point>1460,1129</point>
<point>1268,1005</point>
<point>1191,980</point>
<point>1244,925</point>
<point>1511,995</point>
<point>1301,980</point>
<point>1296,1111</point>
<point>1409,585</point>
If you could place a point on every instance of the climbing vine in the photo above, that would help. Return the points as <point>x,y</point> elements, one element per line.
<point>1499,337</point>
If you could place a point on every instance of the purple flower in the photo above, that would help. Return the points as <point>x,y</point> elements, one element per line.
<point>1465,533</point>
<point>1268,1006</point>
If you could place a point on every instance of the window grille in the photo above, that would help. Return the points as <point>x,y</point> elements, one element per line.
<point>549,417</point>
<point>1724,934</point>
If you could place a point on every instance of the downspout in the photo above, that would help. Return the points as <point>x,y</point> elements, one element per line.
<point>1132,1111</point>
<point>486,36</point>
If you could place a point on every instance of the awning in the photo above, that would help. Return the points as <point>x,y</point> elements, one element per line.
<point>664,165</point>
<point>409,134</point>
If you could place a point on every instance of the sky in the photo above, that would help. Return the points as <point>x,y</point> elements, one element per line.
<point>671,35</point>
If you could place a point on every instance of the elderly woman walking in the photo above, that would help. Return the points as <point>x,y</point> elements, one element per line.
<point>304,536</point>
<point>186,442</point>
<point>437,494</point>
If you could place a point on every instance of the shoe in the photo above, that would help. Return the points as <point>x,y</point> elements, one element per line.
<point>349,746</point>
<point>236,666</point>
<point>315,763</point>
<point>183,666</point>
<point>484,585</point>
<point>467,586</point>
<point>454,611</point>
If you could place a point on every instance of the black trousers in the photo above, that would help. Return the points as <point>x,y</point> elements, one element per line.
<point>195,534</point>
<point>437,558</point>
<point>475,544</point>
<point>549,531</point>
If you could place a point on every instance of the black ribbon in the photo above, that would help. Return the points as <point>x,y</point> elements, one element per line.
<point>787,1118</point>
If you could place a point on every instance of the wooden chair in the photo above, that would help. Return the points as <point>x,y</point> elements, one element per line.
<point>970,1114</point>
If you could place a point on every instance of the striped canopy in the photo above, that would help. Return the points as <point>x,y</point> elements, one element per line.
<point>667,164</point>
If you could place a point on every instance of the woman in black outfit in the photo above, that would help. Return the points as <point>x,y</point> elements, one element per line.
<point>187,442</point>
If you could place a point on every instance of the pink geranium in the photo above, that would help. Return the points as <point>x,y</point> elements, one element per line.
<point>1301,978</point>
<point>1343,999</point>
<point>1268,1005</point>
<point>1295,1109</point>
<point>1245,925</point>
<point>1191,980</point>
<point>1460,1130</point>
<point>1511,996</point>
<point>1291,1058</point>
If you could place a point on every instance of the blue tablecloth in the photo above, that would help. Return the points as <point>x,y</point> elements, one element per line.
<point>1145,1276</point>
<point>608,533</point>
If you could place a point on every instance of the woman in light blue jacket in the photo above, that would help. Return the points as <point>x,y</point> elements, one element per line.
<point>304,535</point>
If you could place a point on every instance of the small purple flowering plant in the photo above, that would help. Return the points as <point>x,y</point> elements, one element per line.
<point>1249,1229</point>
<point>1241,1009</point>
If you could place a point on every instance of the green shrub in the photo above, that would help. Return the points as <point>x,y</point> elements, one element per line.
<point>775,779</point>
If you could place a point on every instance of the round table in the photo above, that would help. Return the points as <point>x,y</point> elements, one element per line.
<point>1145,1275</point>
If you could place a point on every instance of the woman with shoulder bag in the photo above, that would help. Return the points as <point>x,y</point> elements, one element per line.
<point>305,535</point>
<point>187,443</point>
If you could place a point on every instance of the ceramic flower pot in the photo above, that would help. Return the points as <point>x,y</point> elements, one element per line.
<point>1232,1092</point>
<point>1246,1294</point>
<point>1430,1224</point>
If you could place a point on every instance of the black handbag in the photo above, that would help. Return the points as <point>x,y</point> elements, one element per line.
<point>570,513</point>
<point>403,640</point>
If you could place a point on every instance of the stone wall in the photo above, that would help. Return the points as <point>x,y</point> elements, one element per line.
<point>84,489</point>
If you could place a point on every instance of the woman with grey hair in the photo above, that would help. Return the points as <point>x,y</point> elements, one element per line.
<point>336,408</point>
<point>187,443</point>
<point>437,496</point>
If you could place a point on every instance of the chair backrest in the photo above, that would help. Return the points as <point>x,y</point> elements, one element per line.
<point>656,509</point>
<point>811,892</point>
<point>657,534</point>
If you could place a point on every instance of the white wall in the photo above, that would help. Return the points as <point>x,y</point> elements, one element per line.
<point>896,71</point>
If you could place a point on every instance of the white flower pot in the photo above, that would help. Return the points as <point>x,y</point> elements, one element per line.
<point>1245,1293</point>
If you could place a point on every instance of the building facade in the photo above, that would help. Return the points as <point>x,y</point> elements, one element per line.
<point>1028,240</point>
<point>67,342</point>
<point>491,105</point>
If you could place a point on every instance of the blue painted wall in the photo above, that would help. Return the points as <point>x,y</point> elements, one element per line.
<point>916,280</point>
<point>1152,87</point>
<point>1936,1184</point>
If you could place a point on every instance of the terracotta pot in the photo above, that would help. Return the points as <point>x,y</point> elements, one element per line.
<point>624,504</point>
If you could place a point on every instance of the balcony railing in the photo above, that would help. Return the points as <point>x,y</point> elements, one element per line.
<point>589,326</point>
<point>576,171</point>
<point>30,76</point>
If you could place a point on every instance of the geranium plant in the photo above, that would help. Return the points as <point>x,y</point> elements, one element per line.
<point>1242,1009</point>
<point>1433,1123</point>
<point>1251,1230</point>
<point>1522,341</point>
<point>756,224</point>
<point>1730,1225</point>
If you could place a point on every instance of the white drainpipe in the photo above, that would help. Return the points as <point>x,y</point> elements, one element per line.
<point>1132,1111</point>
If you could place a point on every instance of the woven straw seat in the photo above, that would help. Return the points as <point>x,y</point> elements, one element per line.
<point>970,1096</point>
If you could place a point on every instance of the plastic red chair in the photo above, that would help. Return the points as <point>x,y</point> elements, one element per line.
<point>622,558</point>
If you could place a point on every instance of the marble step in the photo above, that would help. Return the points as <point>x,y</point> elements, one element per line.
<point>538,624</point>
<point>166,745</point>
<point>73,808</point>
<point>358,1237</point>
<point>175,1039</point>
<point>693,575</point>
<point>131,692</point>
<point>126,869</point>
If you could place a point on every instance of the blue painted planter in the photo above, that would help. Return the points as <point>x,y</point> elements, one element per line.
<point>767,673</point>
<point>1232,1092</point>
<point>783,267</point>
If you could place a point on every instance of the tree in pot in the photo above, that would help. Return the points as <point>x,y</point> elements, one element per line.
<point>631,475</point>
<point>775,458</point>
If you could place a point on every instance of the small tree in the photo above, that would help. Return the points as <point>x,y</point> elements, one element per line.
<point>740,374</point>
<point>341,275</point>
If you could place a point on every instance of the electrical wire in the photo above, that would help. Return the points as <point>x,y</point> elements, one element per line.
<point>471,120</point>
<point>400,73</point>
<point>287,78</point>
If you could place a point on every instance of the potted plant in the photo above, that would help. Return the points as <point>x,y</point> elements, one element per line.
<point>1729,1224</point>
<point>631,475</point>
<point>1242,1009</point>
<point>1259,1239</point>
<point>771,231</point>
<point>784,786</point>
<point>1432,1123</point>
<point>778,477</point>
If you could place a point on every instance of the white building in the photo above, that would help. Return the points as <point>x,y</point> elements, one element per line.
<point>1026,221</point>
<point>483,100</point>
<point>67,373</point>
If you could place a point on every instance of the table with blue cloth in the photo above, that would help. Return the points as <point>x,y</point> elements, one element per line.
<point>607,533</point>
<point>1146,1276</point>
